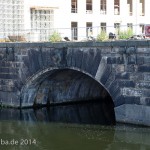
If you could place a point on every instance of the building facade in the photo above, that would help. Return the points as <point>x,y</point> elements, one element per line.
<point>11,17</point>
<point>75,19</point>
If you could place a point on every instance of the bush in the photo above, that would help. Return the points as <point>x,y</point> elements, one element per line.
<point>102,36</point>
<point>55,37</point>
<point>125,34</point>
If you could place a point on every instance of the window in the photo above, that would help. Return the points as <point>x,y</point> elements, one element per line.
<point>117,25</point>
<point>74,30</point>
<point>130,25</point>
<point>117,28</point>
<point>103,26</point>
<point>116,7</point>
<point>42,20</point>
<point>130,9</point>
<point>142,28</point>
<point>88,6</point>
<point>142,7</point>
<point>74,6</point>
<point>103,7</point>
<point>89,30</point>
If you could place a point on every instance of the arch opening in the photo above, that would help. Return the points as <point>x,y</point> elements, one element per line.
<point>68,87</point>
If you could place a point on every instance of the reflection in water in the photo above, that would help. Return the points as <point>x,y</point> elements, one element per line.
<point>87,113</point>
<point>41,130</point>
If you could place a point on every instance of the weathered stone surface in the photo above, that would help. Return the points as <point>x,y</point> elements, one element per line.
<point>131,50</point>
<point>143,49</point>
<point>126,83</point>
<point>132,92</point>
<point>115,60</point>
<point>132,59</point>
<point>123,75</point>
<point>132,113</point>
<point>144,68</point>
<point>33,73</point>
<point>140,60</point>
<point>143,85</point>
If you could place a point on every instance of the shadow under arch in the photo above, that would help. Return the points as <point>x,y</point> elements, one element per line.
<point>65,86</point>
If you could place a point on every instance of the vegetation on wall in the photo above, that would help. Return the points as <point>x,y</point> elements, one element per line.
<point>125,34</point>
<point>102,36</point>
<point>55,37</point>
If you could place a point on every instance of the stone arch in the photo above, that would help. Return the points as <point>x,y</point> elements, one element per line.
<point>40,88</point>
<point>32,80</point>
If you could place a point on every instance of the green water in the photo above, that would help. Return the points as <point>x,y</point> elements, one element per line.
<point>61,136</point>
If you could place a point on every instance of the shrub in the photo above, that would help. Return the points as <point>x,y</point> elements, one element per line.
<point>125,34</point>
<point>55,37</point>
<point>102,36</point>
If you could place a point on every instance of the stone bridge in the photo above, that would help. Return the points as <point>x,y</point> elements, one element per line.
<point>117,73</point>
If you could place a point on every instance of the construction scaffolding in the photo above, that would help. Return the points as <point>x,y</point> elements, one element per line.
<point>11,17</point>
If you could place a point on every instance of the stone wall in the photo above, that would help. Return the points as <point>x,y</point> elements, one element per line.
<point>121,69</point>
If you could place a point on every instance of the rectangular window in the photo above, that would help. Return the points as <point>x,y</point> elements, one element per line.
<point>117,25</point>
<point>142,28</point>
<point>116,7</point>
<point>142,7</point>
<point>88,6</point>
<point>74,31</point>
<point>74,6</point>
<point>130,25</point>
<point>130,7</point>
<point>103,7</point>
<point>103,26</point>
<point>117,28</point>
<point>89,29</point>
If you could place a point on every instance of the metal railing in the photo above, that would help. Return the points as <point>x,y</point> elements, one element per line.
<point>72,34</point>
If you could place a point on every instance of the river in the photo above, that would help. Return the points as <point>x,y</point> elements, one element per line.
<point>57,128</point>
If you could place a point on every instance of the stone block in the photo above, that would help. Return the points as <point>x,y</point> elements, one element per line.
<point>114,88</point>
<point>147,60</point>
<point>130,68</point>
<point>136,76</point>
<point>145,101</point>
<point>142,84</point>
<point>8,76</point>
<point>146,77</point>
<point>115,60</point>
<point>131,50</point>
<point>132,92</point>
<point>143,50</point>
<point>119,50</point>
<point>139,60</point>
<point>132,100</point>
<point>126,83</point>
<point>119,68</point>
<point>146,93</point>
<point>133,114</point>
<point>105,50</point>
<point>144,68</point>
<point>106,74</point>
<point>119,101</point>
<point>123,75</point>
<point>132,59</point>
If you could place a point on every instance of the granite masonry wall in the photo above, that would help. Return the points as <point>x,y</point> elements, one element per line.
<point>117,72</point>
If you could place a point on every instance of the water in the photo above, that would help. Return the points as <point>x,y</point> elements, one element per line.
<point>59,129</point>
